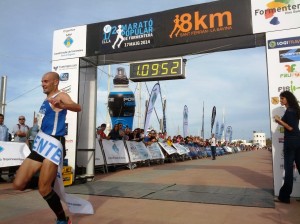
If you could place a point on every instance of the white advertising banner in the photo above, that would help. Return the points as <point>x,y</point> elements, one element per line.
<point>99,159</point>
<point>181,149</point>
<point>283,61</point>
<point>137,151</point>
<point>272,15</point>
<point>155,151</point>
<point>115,151</point>
<point>169,149</point>
<point>69,43</point>
<point>13,153</point>
<point>68,71</point>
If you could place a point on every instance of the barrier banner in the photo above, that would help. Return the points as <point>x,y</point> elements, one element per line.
<point>155,151</point>
<point>181,149</point>
<point>137,151</point>
<point>99,159</point>
<point>115,151</point>
<point>13,153</point>
<point>169,149</point>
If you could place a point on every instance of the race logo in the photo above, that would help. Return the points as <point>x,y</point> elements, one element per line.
<point>1,149</point>
<point>128,35</point>
<point>289,55</point>
<point>284,42</point>
<point>188,24</point>
<point>290,72</point>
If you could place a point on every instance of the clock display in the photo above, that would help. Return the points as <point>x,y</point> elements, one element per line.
<point>152,70</point>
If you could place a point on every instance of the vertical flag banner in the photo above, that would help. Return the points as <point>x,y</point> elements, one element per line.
<point>221,131</point>
<point>150,107</point>
<point>228,133</point>
<point>217,130</point>
<point>213,117</point>
<point>202,130</point>
<point>185,121</point>
<point>230,136</point>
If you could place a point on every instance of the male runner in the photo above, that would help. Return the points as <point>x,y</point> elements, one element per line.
<point>53,112</point>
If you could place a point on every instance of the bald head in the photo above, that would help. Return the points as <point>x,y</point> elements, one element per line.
<point>52,75</point>
<point>50,82</point>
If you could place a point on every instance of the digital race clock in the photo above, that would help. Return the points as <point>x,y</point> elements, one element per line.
<point>162,69</point>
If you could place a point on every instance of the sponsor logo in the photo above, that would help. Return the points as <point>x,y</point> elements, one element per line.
<point>64,76</point>
<point>66,89</point>
<point>280,129</point>
<point>289,55</point>
<point>277,9</point>
<point>1,149</point>
<point>55,68</point>
<point>115,148</point>
<point>293,88</point>
<point>275,100</point>
<point>68,42</point>
<point>281,140</point>
<point>284,42</point>
<point>290,71</point>
<point>188,24</point>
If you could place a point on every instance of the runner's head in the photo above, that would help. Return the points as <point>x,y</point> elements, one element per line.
<point>50,82</point>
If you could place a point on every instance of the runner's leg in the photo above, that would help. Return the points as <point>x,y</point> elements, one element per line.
<point>47,177</point>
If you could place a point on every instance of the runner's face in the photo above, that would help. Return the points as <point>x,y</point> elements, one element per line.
<point>48,84</point>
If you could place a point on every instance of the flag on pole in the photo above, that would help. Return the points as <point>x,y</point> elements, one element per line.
<point>185,121</point>
<point>150,106</point>
<point>213,117</point>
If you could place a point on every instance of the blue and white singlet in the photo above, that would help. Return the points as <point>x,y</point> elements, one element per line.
<point>53,123</point>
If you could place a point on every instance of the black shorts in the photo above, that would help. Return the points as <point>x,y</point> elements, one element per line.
<point>37,157</point>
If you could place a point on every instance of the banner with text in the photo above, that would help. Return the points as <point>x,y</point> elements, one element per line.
<point>283,74</point>
<point>13,153</point>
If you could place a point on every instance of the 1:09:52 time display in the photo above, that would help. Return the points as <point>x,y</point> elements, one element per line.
<point>152,70</point>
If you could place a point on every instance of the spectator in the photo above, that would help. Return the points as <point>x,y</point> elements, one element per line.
<point>32,132</point>
<point>20,131</point>
<point>115,133</point>
<point>100,132</point>
<point>4,136</point>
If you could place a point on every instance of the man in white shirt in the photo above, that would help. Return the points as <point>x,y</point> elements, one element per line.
<point>213,146</point>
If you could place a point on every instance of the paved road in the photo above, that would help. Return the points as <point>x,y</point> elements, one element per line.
<point>242,170</point>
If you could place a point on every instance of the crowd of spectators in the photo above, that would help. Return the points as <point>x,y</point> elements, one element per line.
<point>119,132</point>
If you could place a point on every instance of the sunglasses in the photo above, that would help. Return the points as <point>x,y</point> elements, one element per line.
<point>21,118</point>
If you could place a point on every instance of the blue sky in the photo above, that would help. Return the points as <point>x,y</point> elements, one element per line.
<point>234,81</point>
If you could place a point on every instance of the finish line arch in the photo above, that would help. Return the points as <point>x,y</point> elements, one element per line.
<point>203,28</point>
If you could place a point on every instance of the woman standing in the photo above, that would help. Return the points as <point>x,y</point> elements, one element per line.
<point>291,146</point>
